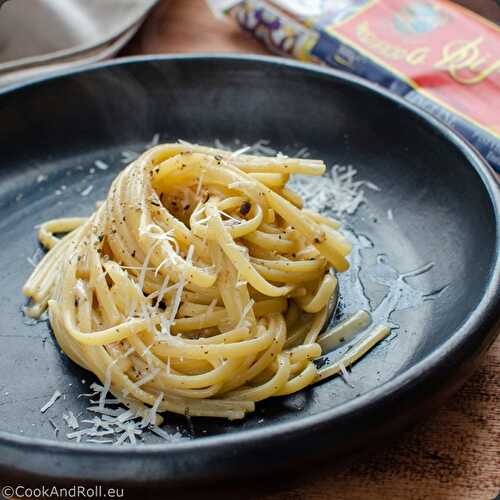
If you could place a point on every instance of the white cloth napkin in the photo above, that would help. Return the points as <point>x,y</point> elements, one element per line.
<point>38,36</point>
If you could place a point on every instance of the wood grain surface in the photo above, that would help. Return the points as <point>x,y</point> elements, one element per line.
<point>455,454</point>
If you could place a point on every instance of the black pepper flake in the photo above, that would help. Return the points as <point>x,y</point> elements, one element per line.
<point>156,204</point>
<point>245,208</point>
<point>133,253</point>
<point>320,362</point>
<point>187,207</point>
<point>100,237</point>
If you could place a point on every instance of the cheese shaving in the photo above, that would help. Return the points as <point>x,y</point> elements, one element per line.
<point>101,165</point>
<point>338,190</point>
<point>51,401</point>
<point>87,190</point>
<point>71,420</point>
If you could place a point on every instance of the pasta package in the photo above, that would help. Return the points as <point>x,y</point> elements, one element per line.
<point>434,53</point>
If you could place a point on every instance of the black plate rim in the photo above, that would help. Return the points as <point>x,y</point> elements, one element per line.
<point>483,318</point>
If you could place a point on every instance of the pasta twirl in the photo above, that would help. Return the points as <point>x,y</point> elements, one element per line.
<point>199,285</point>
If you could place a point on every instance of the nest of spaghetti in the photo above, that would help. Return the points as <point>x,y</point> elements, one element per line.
<point>199,286</point>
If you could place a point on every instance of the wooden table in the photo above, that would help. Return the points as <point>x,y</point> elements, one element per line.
<point>455,454</point>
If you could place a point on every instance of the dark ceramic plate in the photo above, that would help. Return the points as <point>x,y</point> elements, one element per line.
<point>426,252</point>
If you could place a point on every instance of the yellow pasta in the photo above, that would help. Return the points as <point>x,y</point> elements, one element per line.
<point>199,285</point>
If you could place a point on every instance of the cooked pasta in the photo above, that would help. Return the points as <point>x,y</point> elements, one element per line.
<point>199,286</point>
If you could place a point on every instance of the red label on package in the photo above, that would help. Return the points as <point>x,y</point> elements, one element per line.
<point>448,53</point>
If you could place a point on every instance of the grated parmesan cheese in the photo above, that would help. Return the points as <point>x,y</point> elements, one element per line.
<point>125,416</point>
<point>121,439</point>
<point>240,151</point>
<point>71,420</point>
<point>261,147</point>
<point>302,153</point>
<point>217,143</point>
<point>160,432</point>
<point>104,411</point>
<point>154,141</point>
<point>245,312</point>
<point>51,401</point>
<point>345,375</point>
<point>107,384</point>
<point>101,165</point>
<point>131,434</point>
<point>337,190</point>
<point>151,416</point>
<point>128,156</point>
<point>107,401</point>
<point>87,190</point>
